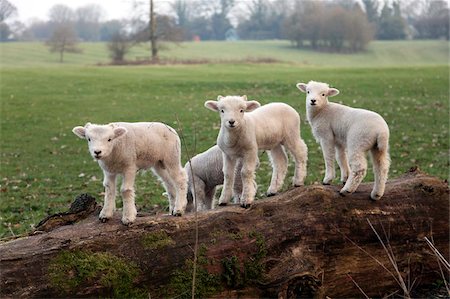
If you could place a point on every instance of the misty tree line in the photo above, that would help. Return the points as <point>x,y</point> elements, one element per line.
<point>337,25</point>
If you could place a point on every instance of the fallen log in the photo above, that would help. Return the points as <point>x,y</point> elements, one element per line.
<point>306,242</point>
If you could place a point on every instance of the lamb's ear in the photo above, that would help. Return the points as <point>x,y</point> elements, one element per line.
<point>80,132</point>
<point>219,97</point>
<point>252,105</point>
<point>332,92</point>
<point>244,97</point>
<point>212,105</point>
<point>119,131</point>
<point>301,87</point>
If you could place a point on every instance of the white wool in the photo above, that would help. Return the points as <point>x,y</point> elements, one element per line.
<point>347,134</point>
<point>204,175</point>
<point>246,128</point>
<point>124,149</point>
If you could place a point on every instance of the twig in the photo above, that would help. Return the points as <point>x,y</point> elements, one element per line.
<point>194,199</point>
<point>371,256</point>
<point>392,260</point>
<point>438,254</point>
<point>359,288</point>
<point>440,259</point>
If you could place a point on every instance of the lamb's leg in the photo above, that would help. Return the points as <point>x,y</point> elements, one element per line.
<point>327,145</point>
<point>200,196</point>
<point>228,169</point>
<point>237,184</point>
<point>109,182</point>
<point>358,169</point>
<point>209,199</point>
<point>299,151</point>
<point>279,161</point>
<point>168,185</point>
<point>381,163</point>
<point>249,163</point>
<point>129,208</point>
<point>179,178</point>
<point>341,158</point>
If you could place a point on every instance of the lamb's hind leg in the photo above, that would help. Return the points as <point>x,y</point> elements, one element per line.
<point>381,163</point>
<point>358,170</point>
<point>279,161</point>
<point>161,172</point>
<point>299,151</point>
<point>179,178</point>
<point>341,158</point>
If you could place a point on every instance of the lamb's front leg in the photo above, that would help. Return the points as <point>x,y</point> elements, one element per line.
<point>129,208</point>
<point>228,169</point>
<point>341,158</point>
<point>327,145</point>
<point>248,179</point>
<point>109,206</point>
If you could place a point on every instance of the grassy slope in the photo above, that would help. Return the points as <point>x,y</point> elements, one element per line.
<point>43,165</point>
<point>379,53</point>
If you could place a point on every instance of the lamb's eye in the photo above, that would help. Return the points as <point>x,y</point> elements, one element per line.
<point>109,140</point>
<point>222,111</point>
<point>89,139</point>
<point>323,94</point>
<point>307,92</point>
<point>242,111</point>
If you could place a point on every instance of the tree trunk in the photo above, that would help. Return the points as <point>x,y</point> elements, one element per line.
<point>308,241</point>
<point>153,36</point>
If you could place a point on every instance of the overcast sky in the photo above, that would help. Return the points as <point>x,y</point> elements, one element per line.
<point>28,9</point>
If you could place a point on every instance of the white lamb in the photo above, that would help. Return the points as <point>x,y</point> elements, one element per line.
<point>124,149</point>
<point>205,174</point>
<point>244,130</point>
<point>347,132</point>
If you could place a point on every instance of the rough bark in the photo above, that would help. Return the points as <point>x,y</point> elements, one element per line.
<point>308,241</point>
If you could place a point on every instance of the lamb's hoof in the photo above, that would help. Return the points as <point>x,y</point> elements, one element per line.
<point>326,183</point>
<point>177,213</point>
<point>222,204</point>
<point>343,183</point>
<point>298,185</point>
<point>245,205</point>
<point>103,219</point>
<point>270,194</point>
<point>375,197</point>
<point>344,193</point>
<point>127,222</point>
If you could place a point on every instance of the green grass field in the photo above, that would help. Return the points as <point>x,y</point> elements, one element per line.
<point>44,166</point>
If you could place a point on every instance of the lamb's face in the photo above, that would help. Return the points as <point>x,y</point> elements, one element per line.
<point>232,109</point>
<point>101,138</point>
<point>317,94</point>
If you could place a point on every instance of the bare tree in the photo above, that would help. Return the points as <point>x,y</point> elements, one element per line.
<point>6,10</point>
<point>61,14</point>
<point>119,46</point>
<point>63,39</point>
<point>88,20</point>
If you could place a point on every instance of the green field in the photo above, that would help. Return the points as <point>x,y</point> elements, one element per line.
<point>44,166</point>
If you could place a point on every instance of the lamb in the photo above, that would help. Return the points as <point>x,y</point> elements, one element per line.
<point>124,149</point>
<point>246,128</point>
<point>347,132</point>
<point>205,174</point>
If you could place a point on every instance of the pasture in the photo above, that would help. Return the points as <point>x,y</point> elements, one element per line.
<point>44,166</point>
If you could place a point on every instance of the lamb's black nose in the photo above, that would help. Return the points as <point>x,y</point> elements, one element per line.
<point>231,122</point>
<point>97,152</point>
<point>313,102</point>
